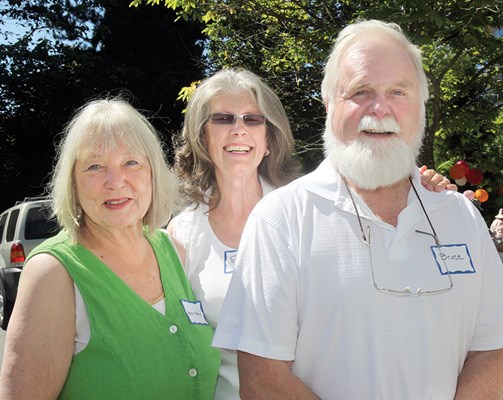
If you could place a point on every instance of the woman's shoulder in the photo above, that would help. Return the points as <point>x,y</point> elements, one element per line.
<point>44,258</point>
<point>44,270</point>
<point>189,222</point>
<point>44,262</point>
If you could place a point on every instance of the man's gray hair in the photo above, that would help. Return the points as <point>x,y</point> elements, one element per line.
<point>360,31</point>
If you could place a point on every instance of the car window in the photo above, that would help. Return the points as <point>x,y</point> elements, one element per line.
<point>11,226</point>
<point>2,226</point>
<point>39,225</point>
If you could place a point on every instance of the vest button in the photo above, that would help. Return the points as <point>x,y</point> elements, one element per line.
<point>192,372</point>
<point>173,329</point>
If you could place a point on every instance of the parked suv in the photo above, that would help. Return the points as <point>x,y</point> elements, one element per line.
<point>22,227</point>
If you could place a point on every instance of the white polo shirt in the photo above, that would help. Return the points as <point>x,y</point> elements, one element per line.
<point>303,291</point>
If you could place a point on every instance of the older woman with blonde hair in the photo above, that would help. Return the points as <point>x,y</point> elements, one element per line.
<point>104,309</point>
<point>236,146</point>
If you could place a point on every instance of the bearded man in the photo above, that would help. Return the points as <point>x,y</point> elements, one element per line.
<point>354,282</point>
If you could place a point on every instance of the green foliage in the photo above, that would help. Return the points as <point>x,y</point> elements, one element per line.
<point>186,92</point>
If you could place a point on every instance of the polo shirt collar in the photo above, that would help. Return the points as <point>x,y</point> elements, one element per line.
<point>326,182</point>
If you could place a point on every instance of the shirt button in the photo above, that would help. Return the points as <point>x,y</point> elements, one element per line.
<point>192,372</point>
<point>173,329</point>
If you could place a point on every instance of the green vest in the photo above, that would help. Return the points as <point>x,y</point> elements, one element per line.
<point>134,351</point>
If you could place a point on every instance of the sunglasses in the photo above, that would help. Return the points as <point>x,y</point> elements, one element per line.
<point>230,119</point>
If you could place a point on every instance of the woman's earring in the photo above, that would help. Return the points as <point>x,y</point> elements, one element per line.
<point>267,153</point>
<point>79,214</point>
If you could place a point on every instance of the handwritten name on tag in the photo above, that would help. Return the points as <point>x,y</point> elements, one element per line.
<point>453,259</point>
<point>194,311</point>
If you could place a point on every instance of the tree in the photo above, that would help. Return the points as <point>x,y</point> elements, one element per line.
<point>287,43</point>
<point>71,52</point>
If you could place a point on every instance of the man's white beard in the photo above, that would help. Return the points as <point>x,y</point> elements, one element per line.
<point>370,162</point>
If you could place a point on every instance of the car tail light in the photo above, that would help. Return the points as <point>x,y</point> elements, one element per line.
<point>17,254</point>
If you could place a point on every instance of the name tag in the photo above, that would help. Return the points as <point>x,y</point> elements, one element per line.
<point>194,311</point>
<point>453,259</point>
<point>230,261</point>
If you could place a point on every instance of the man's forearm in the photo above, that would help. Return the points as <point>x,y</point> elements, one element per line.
<point>481,376</point>
<point>262,378</point>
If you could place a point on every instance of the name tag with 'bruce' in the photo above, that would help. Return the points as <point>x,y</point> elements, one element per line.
<point>453,259</point>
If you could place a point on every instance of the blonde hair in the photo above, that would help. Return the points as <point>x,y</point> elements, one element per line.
<point>192,160</point>
<point>111,122</point>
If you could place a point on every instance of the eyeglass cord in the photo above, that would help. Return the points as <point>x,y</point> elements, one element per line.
<point>433,235</point>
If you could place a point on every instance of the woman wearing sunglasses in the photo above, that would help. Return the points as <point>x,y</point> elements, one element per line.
<point>236,146</point>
